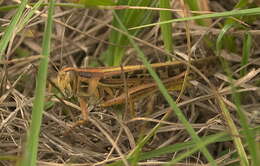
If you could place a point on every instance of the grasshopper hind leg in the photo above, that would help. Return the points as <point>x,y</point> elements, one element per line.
<point>91,95</point>
<point>84,113</point>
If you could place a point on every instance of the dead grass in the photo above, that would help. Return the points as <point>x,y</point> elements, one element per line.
<point>111,132</point>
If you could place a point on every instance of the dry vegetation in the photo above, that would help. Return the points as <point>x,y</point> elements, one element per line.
<point>81,36</point>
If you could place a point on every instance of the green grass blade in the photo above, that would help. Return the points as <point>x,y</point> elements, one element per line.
<point>6,8</point>
<point>232,127</point>
<point>247,44</point>
<point>241,4</point>
<point>29,15</point>
<point>130,17</point>
<point>249,136</point>
<point>30,154</point>
<point>194,6</point>
<point>244,12</point>
<point>191,144</point>
<point>228,40</point>
<point>168,98</point>
<point>10,7</point>
<point>220,37</point>
<point>11,28</point>
<point>219,137</point>
<point>166,28</point>
<point>96,3</point>
<point>188,153</point>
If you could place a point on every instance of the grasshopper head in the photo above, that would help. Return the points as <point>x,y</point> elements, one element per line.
<point>66,83</point>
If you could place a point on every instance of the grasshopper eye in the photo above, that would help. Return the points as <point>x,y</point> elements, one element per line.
<point>64,81</point>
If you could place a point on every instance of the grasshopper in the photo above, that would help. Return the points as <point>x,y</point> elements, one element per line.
<point>92,83</point>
